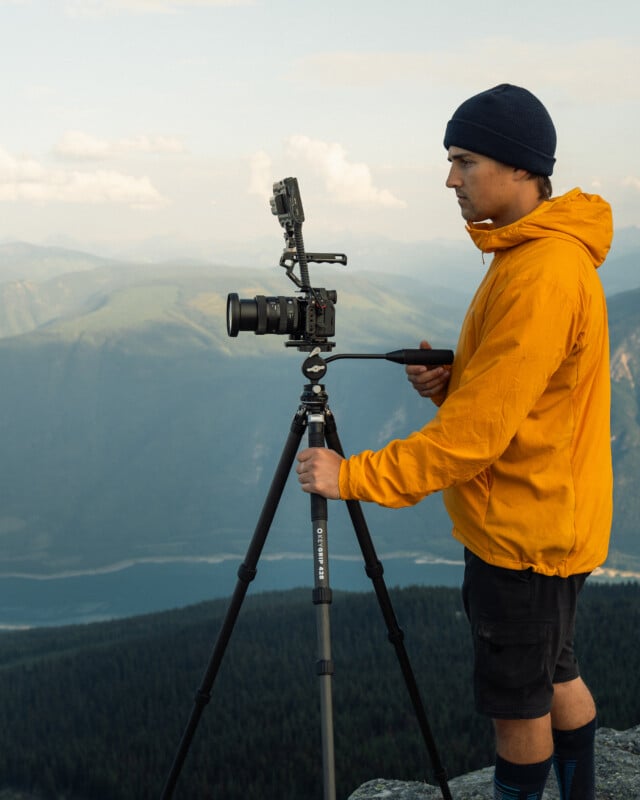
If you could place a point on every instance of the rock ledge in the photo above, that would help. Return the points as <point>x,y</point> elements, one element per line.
<point>617,776</point>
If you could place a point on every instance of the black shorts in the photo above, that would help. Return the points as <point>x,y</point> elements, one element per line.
<point>522,625</point>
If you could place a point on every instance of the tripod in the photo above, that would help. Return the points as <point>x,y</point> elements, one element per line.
<point>314,414</point>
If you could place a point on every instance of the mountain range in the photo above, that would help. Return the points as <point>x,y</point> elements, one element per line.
<point>134,429</point>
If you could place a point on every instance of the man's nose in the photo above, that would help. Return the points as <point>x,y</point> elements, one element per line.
<point>453,178</point>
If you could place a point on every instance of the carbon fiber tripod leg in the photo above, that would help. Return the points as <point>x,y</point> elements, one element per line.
<point>246,573</point>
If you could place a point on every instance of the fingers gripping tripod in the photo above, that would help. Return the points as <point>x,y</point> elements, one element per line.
<point>315,416</point>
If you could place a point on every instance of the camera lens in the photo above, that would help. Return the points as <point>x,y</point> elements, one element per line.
<point>262,315</point>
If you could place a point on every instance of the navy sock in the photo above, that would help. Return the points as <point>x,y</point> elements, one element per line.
<point>520,781</point>
<point>573,761</point>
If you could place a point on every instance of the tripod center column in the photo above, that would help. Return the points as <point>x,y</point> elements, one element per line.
<point>322,600</point>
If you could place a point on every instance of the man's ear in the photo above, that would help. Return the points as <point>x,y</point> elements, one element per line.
<point>521,174</point>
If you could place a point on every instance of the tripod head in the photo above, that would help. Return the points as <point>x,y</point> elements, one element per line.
<point>314,368</point>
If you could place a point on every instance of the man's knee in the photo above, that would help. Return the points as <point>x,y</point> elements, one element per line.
<point>573,705</point>
<point>524,741</point>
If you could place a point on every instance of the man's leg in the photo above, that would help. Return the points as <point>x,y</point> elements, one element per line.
<point>573,716</point>
<point>527,741</point>
<point>525,746</point>
<point>573,705</point>
<point>524,749</point>
<point>522,625</point>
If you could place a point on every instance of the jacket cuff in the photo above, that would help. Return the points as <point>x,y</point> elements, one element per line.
<point>343,481</point>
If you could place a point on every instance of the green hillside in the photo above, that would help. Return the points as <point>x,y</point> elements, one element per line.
<point>98,711</point>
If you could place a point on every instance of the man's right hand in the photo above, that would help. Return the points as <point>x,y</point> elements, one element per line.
<point>429,382</point>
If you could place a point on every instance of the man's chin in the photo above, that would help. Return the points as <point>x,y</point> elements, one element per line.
<point>474,218</point>
<point>468,214</point>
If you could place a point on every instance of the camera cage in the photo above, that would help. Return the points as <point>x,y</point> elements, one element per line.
<point>286,204</point>
<point>310,319</point>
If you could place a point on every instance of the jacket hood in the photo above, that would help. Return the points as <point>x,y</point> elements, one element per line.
<point>576,217</point>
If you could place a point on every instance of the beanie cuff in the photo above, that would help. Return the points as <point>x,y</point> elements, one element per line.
<point>480,139</point>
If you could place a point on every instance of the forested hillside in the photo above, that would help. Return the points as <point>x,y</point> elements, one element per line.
<point>97,712</point>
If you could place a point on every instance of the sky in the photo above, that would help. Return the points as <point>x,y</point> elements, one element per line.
<point>151,126</point>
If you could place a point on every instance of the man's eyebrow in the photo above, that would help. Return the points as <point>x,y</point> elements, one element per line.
<point>459,156</point>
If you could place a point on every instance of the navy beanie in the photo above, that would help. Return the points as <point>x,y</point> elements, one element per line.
<point>508,124</point>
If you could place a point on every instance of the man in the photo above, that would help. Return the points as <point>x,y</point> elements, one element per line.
<point>520,445</point>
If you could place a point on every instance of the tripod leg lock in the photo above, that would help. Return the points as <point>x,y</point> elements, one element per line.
<point>324,667</point>
<point>396,637</point>
<point>375,570</point>
<point>246,574</point>
<point>322,595</point>
<point>202,698</point>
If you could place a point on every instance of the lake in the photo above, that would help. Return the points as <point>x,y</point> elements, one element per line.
<point>143,588</point>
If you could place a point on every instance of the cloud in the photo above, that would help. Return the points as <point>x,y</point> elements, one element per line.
<point>633,182</point>
<point>261,179</point>
<point>101,8</point>
<point>25,179</point>
<point>351,183</point>
<point>83,146</point>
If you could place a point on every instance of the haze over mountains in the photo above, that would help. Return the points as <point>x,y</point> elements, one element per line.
<point>134,429</point>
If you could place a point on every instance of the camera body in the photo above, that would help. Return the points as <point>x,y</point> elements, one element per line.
<point>309,320</point>
<point>306,320</point>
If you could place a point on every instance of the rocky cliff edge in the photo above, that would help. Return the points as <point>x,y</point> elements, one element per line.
<point>617,776</point>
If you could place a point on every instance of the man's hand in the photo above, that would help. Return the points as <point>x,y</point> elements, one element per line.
<point>318,470</point>
<point>429,381</point>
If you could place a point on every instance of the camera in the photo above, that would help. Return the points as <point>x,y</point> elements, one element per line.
<point>309,320</point>
<point>301,318</point>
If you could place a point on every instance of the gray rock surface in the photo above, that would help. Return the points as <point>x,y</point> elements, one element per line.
<point>617,776</point>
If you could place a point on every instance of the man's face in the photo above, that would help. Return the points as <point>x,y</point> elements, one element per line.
<point>486,189</point>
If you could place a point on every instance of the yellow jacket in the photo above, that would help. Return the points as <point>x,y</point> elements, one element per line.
<point>521,445</point>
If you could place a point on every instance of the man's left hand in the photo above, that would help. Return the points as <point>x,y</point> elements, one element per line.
<point>318,471</point>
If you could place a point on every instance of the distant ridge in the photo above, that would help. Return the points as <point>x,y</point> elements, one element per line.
<point>21,261</point>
